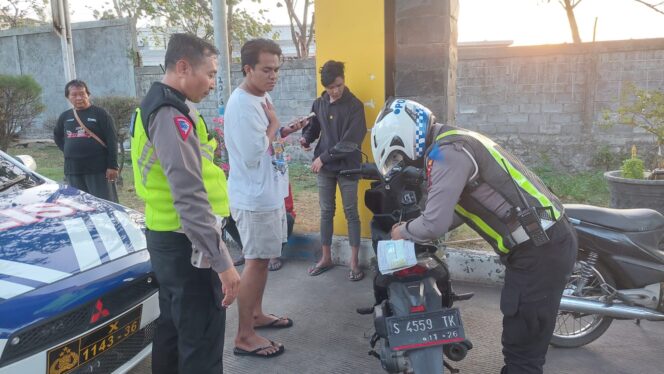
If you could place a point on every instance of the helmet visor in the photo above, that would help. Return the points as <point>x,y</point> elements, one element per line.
<point>393,160</point>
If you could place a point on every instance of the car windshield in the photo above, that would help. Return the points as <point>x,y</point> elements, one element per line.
<point>13,178</point>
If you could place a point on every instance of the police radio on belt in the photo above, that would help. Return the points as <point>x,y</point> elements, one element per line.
<point>529,218</point>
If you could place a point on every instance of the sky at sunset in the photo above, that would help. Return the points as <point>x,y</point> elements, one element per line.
<point>522,21</point>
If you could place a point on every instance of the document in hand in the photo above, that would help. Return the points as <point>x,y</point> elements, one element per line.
<point>394,255</point>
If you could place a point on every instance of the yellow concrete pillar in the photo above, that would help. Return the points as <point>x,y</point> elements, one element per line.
<point>353,31</point>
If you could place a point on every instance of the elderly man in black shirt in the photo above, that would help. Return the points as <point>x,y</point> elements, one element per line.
<point>88,142</point>
<point>339,118</point>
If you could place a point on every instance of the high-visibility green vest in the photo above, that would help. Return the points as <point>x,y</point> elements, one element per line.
<point>488,201</point>
<point>153,188</point>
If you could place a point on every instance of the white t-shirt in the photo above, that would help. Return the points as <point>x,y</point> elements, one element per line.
<point>255,182</point>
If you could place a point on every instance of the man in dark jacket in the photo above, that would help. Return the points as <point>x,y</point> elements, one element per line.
<point>339,118</point>
<point>91,152</point>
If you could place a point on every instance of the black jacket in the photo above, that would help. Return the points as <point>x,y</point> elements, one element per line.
<point>341,121</point>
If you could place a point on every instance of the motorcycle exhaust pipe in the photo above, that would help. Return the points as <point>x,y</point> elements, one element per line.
<point>580,305</point>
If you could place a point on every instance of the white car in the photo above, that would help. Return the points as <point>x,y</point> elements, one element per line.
<point>77,292</point>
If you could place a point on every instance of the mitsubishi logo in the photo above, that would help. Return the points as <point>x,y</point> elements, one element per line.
<point>100,312</point>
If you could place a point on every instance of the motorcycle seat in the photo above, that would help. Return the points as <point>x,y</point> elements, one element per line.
<point>628,220</point>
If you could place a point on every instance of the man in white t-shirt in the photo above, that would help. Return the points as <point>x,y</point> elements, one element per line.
<point>255,189</point>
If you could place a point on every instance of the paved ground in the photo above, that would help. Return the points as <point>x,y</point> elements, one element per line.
<point>329,337</point>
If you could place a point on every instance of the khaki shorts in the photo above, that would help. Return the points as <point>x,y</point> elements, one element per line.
<point>261,232</point>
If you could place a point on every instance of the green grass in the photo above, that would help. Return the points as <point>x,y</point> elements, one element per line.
<point>583,187</point>
<point>302,179</point>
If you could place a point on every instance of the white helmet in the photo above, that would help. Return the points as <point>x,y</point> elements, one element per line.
<point>399,132</point>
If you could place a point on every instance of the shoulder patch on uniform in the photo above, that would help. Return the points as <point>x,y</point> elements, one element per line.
<point>183,125</point>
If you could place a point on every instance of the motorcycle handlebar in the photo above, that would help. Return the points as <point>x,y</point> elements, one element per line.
<point>365,171</point>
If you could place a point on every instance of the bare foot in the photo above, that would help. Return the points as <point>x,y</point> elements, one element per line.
<point>271,320</point>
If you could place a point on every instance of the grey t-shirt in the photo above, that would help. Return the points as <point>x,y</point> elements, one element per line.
<point>179,154</point>
<point>448,177</point>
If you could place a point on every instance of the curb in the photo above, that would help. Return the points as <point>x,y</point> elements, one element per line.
<point>464,264</point>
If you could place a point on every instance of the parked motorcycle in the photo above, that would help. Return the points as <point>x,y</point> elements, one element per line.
<point>619,272</point>
<point>414,320</point>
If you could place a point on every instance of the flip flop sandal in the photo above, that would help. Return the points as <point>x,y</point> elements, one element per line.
<point>241,352</point>
<point>238,261</point>
<point>274,266</point>
<point>274,324</point>
<point>354,277</point>
<point>318,270</point>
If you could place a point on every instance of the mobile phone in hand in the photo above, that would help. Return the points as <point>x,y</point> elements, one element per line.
<point>310,115</point>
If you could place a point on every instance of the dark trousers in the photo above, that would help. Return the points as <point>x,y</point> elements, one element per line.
<point>94,184</point>
<point>535,278</point>
<point>327,194</point>
<point>190,329</point>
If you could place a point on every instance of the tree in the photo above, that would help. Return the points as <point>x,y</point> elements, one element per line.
<point>569,6</point>
<point>18,13</point>
<point>20,104</point>
<point>132,9</point>
<point>301,33</point>
<point>657,6</point>
<point>193,17</point>
<point>121,108</point>
<point>642,109</point>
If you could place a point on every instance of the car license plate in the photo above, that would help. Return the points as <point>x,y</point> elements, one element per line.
<point>425,329</point>
<point>77,352</point>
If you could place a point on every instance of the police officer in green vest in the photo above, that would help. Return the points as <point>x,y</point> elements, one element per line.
<point>185,205</point>
<point>495,194</point>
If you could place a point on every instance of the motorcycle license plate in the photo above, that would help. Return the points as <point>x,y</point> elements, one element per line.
<point>425,329</point>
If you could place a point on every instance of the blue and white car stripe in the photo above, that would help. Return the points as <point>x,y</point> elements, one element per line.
<point>33,272</point>
<point>113,236</point>
<point>114,245</point>
<point>11,289</point>
<point>134,232</point>
<point>82,243</point>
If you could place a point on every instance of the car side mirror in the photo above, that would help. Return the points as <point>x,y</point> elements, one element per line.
<point>28,161</point>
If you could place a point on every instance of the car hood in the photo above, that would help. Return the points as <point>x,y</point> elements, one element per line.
<point>52,232</point>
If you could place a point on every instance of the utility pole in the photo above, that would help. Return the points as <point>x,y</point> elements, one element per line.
<point>62,27</point>
<point>221,42</point>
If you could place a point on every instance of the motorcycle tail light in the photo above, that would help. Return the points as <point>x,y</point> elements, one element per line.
<point>417,309</point>
<point>413,270</point>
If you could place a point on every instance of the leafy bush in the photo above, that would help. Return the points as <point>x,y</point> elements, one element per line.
<point>632,168</point>
<point>642,109</point>
<point>605,158</point>
<point>20,104</point>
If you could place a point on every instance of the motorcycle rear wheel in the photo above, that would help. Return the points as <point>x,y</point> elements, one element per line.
<point>574,330</point>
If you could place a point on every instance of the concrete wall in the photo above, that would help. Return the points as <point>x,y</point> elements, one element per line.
<point>293,95</point>
<point>425,53</point>
<point>545,103</point>
<point>102,52</point>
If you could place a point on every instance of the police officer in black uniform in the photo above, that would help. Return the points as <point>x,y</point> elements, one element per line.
<point>495,194</point>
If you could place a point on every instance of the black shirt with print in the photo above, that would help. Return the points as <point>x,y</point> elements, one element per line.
<point>83,154</point>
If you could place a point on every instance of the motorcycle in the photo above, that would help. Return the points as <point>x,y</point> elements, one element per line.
<point>619,273</point>
<point>414,321</point>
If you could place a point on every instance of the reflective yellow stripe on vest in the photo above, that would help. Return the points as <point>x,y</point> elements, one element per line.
<point>153,188</point>
<point>522,181</point>
<point>482,226</point>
